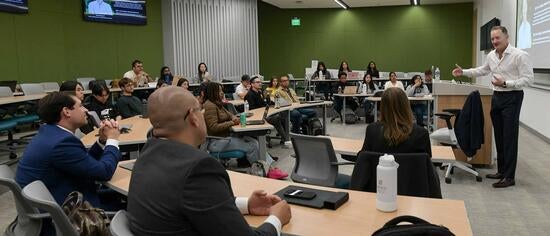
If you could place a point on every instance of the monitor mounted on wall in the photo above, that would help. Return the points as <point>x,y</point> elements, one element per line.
<point>14,6</point>
<point>115,11</point>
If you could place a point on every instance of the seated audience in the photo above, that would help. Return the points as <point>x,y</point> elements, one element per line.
<point>73,86</point>
<point>137,75</point>
<point>396,131</point>
<point>393,82</point>
<point>320,73</point>
<point>340,86</point>
<point>288,94</point>
<point>256,99</point>
<point>127,104</point>
<point>192,194</point>
<point>58,158</point>
<point>99,102</point>
<point>418,89</point>
<point>203,76</point>
<point>428,79</point>
<point>272,87</point>
<point>165,78</point>
<point>344,67</point>
<point>243,87</point>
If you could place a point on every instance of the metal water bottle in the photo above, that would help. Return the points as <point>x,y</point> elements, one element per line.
<point>386,184</point>
<point>246,106</point>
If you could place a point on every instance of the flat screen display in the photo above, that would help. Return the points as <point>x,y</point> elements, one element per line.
<point>115,11</point>
<point>15,6</point>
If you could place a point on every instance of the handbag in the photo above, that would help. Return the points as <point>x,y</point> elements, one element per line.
<point>418,227</point>
<point>87,220</point>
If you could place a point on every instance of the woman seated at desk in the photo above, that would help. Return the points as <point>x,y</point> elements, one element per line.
<point>369,87</point>
<point>418,89</point>
<point>272,87</point>
<point>323,74</point>
<point>219,122</point>
<point>396,132</point>
<point>394,83</point>
<point>184,83</point>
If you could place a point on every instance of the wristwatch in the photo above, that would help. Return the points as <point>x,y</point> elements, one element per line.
<point>504,84</point>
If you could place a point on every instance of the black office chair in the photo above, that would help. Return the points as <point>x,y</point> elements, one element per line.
<point>416,175</point>
<point>316,162</point>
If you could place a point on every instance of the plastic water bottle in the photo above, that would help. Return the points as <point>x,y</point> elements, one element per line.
<point>277,104</point>
<point>321,76</point>
<point>386,184</point>
<point>364,89</point>
<point>339,89</point>
<point>243,119</point>
<point>437,74</point>
<point>246,106</point>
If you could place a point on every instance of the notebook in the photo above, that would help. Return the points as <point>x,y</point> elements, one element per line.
<point>350,90</point>
<point>259,122</point>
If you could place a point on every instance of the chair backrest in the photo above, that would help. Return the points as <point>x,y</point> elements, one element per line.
<point>24,225</point>
<point>400,74</point>
<point>85,81</point>
<point>236,97</point>
<point>384,75</point>
<point>12,84</point>
<point>30,89</point>
<point>415,175</point>
<point>5,92</point>
<point>40,197</point>
<point>120,225</point>
<point>50,86</point>
<point>314,155</point>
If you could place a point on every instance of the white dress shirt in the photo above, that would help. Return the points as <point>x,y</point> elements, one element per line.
<point>242,204</point>
<point>112,142</point>
<point>241,90</point>
<point>514,67</point>
<point>398,84</point>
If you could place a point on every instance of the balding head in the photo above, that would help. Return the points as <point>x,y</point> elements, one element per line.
<point>167,108</point>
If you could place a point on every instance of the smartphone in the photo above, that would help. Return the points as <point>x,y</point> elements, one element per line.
<point>296,193</point>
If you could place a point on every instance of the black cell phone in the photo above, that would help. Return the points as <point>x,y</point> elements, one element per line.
<point>300,194</point>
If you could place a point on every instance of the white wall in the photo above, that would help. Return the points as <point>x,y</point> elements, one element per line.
<point>534,112</point>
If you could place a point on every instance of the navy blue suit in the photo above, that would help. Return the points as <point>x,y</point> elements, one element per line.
<point>60,160</point>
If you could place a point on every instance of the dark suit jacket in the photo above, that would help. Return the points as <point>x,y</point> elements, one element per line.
<point>177,189</point>
<point>469,126</point>
<point>59,159</point>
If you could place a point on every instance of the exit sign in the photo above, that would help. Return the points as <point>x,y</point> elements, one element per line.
<point>295,21</point>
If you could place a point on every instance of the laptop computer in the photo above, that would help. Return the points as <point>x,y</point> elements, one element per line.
<point>12,84</point>
<point>353,75</point>
<point>350,90</point>
<point>259,122</point>
<point>283,102</point>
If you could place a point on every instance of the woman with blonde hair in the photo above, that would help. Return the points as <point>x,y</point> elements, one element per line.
<point>396,132</point>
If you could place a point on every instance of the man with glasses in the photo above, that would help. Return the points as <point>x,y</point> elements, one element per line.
<point>138,75</point>
<point>177,189</point>
<point>59,159</point>
<point>284,92</point>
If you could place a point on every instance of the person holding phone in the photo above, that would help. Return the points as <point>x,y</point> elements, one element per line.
<point>511,71</point>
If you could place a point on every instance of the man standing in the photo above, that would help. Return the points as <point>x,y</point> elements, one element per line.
<point>138,75</point>
<point>192,194</point>
<point>511,70</point>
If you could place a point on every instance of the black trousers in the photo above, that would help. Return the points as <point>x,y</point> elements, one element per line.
<point>505,109</point>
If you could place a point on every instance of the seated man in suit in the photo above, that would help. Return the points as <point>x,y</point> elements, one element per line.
<point>176,189</point>
<point>58,158</point>
<point>290,96</point>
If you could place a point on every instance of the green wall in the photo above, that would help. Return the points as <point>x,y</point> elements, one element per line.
<point>400,38</point>
<point>54,43</point>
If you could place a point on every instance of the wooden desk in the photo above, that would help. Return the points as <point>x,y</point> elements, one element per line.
<point>344,95</point>
<point>137,134</point>
<point>356,217</point>
<point>19,99</point>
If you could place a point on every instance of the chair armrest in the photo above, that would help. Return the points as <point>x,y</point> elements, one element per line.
<point>454,111</point>
<point>110,214</point>
<point>444,115</point>
<point>39,216</point>
<point>342,163</point>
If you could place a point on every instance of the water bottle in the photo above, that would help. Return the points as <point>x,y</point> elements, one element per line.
<point>321,76</point>
<point>339,89</point>
<point>277,105</point>
<point>386,184</point>
<point>243,119</point>
<point>437,74</point>
<point>364,89</point>
<point>245,106</point>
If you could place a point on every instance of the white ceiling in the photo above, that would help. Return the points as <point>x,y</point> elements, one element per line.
<point>352,3</point>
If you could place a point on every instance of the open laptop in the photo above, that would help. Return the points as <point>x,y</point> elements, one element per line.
<point>12,84</point>
<point>259,122</point>
<point>350,90</point>
<point>353,75</point>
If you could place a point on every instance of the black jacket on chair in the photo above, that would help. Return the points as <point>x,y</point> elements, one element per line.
<point>469,125</point>
<point>416,175</point>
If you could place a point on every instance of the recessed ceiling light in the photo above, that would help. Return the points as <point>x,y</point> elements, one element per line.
<point>342,4</point>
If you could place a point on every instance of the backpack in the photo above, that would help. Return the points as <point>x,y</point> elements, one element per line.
<point>86,219</point>
<point>350,117</point>
<point>315,127</point>
<point>418,227</point>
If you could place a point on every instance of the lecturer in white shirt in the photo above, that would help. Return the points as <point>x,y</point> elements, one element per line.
<point>99,7</point>
<point>511,70</point>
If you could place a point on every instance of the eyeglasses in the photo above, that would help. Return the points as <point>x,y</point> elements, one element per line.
<point>192,110</point>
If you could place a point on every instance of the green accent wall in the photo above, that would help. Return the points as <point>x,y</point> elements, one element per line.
<point>397,38</point>
<point>54,43</point>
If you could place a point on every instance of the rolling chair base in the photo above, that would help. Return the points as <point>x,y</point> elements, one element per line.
<point>463,166</point>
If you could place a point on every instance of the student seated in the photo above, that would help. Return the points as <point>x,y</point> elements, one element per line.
<point>418,89</point>
<point>165,78</point>
<point>393,82</point>
<point>256,99</point>
<point>288,94</point>
<point>243,87</point>
<point>372,70</point>
<point>324,87</point>
<point>272,87</point>
<point>370,87</point>
<point>127,104</point>
<point>396,132</point>
<point>73,86</point>
<point>340,86</point>
<point>184,83</point>
<point>99,102</point>
<point>58,158</point>
<point>192,194</point>
<point>137,75</point>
